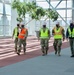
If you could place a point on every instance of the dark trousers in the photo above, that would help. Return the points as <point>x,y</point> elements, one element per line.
<point>72,46</point>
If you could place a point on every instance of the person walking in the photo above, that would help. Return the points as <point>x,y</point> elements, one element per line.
<point>15,36</point>
<point>58,34</point>
<point>44,36</point>
<point>22,39</point>
<point>70,36</point>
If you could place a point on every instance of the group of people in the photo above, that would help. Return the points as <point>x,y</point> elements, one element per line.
<point>44,36</point>
<point>20,34</point>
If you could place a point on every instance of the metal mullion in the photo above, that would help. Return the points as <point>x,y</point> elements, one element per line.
<point>56,11</point>
<point>58,4</point>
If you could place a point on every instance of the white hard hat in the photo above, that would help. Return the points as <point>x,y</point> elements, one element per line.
<point>57,22</point>
<point>44,23</point>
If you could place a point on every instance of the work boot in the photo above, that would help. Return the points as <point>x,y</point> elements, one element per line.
<point>72,56</point>
<point>18,53</point>
<point>55,52</point>
<point>43,54</point>
<point>46,52</point>
<point>24,53</point>
<point>59,54</point>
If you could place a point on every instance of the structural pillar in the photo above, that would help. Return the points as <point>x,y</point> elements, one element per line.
<point>73,10</point>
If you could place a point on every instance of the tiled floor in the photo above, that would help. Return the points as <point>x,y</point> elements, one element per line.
<point>8,56</point>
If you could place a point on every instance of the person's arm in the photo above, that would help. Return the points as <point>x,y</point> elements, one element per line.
<point>63,33</point>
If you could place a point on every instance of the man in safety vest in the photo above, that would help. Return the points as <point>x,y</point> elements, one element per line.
<point>22,39</point>
<point>15,35</point>
<point>70,35</point>
<point>58,33</point>
<point>44,36</point>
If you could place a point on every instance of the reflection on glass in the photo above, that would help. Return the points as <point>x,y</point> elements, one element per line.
<point>8,9</point>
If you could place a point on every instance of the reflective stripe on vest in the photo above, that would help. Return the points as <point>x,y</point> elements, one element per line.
<point>16,32</point>
<point>44,34</point>
<point>22,33</point>
<point>71,34</point>
<point>58,33</point>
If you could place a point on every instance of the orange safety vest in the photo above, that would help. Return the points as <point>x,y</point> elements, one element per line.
<point>22,33</point>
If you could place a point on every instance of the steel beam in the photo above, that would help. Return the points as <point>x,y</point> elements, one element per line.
<point>58,4</point>
<point>57,12</point>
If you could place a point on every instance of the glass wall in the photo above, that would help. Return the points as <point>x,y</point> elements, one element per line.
<point>63,7</point>
<point>5,17</point>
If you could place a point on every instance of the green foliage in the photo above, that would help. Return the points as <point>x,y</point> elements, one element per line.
<point>35,12</point>
<point>52,14</point>
<point>19,19</point>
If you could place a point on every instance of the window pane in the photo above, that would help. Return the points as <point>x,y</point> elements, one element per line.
<point>40,0</point>
<point>69,20</point>
<point>7,30</point>
<point>61,12</point>
<point>8,1</point>
<point>1,19</point>
<point>1,30</point>
<point>54,3</point>
<point>62,4</point>
<point>43,4</point>
<point>69,4</point>
<point>1,7</point>
<point>8,9</point>
<point>21,0</point>
<point>9,20</point>
<point>69,13</point>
